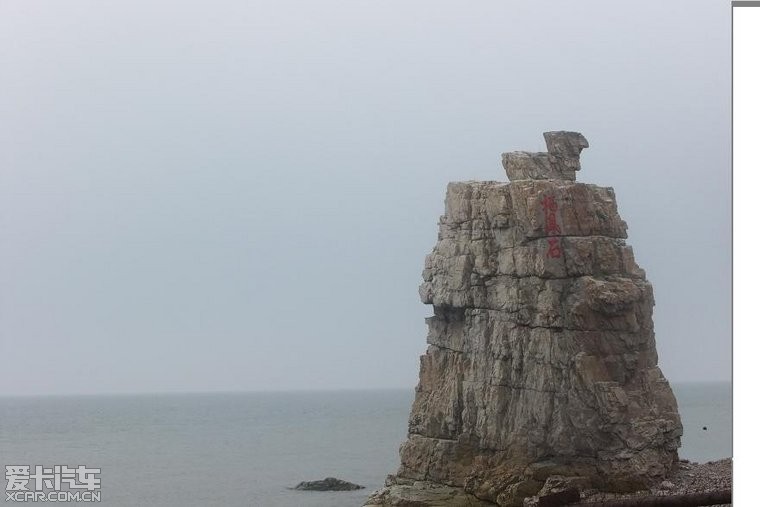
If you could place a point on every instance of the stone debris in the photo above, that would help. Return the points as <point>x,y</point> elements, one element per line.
<point>687,478</point>
<point>541,367</point>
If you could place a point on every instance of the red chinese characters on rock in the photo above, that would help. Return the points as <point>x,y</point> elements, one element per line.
<point>554,248</point>
<point>549,204</point>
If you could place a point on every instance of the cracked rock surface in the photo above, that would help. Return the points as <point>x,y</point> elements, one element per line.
<point>541,359</point>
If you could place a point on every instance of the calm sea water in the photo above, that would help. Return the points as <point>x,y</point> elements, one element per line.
<point>247,449</point>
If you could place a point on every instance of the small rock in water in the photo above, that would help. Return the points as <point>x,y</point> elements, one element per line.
<point>328,484</point>
<point>704,428</point>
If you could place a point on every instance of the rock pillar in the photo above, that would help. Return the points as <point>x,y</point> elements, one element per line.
<point>541,359</point>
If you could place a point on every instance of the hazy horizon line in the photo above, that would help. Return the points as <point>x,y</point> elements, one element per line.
<point>266,391</point>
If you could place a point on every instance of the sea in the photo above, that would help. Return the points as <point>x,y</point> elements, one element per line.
<point>249,449</point>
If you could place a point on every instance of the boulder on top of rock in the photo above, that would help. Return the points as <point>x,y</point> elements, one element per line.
<point>560,162</point>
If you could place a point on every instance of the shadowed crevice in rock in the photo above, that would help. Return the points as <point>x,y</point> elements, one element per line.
<point>541,359</point>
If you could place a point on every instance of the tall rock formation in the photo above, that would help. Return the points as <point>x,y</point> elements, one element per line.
<point>541,357</point>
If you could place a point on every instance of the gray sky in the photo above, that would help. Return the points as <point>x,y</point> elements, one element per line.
<point>236,195</point>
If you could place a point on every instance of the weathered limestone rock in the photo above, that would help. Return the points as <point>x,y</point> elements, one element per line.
<point>565,151</point>
<point>561,162</point>
<point>402,493</point>
<point>541,360</point>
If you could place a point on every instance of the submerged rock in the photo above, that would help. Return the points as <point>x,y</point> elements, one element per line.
<point>541,359</point>
<point>328,484</point>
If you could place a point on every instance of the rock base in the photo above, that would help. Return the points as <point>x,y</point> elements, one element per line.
<point>423,494</point>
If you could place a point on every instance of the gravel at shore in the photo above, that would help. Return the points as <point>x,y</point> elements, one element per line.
<point>689,477</point>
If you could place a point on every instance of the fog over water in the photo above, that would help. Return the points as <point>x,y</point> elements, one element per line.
<point>240,195</point>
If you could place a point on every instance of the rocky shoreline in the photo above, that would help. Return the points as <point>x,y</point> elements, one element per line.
<point>689,477</point>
